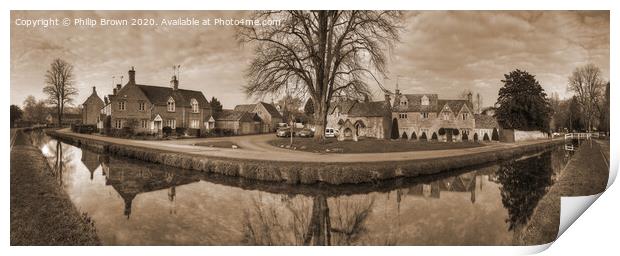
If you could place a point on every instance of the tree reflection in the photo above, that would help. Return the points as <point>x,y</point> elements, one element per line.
<point>524,183</point>
<point>305,224</point>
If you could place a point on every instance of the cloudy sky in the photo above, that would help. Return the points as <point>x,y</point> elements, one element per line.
<point>439,52</point>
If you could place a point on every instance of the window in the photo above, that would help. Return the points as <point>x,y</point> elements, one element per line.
<point>171,106</point>
<point>424,115</point>
<point>424,100</point>
<point>118,123</point>
<point>446,115</point>
<point>402,115</point>
<point>171,123</point>
<point>121,105</point>
<point>404,103</point>
<point>194,124</point>
<point>143,123</point>
<point>141,106</point>
<point>195,108</point>
<point>464,115</point>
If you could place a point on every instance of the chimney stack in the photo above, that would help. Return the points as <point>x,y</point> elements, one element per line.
<point>114,91</point>
<point>132,76</point>
<point>118,87</point>
<point>94,90</point>
<point>469,98</point>
<point>174,83</point>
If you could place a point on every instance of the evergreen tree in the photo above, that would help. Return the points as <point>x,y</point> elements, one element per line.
<point>394,129</point>
<point>216,105</point>
<point>523,103</point>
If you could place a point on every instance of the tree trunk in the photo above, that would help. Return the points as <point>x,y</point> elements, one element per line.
<point>319,229</point>
<point>320,121</point>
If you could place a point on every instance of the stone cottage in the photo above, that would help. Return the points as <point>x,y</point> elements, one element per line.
<point>238,122</point>
<point>355,119</point>
<point>91,108</point>
<point>426,114</point>
<point>147,108</point>
<point>268,113</point>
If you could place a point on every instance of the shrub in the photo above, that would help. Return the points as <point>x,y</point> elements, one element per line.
<point>442,131</point>
<point>166,130</point>
<point>404,135</point>
<point>180,131</point>
<point>495,135</point>
<point>413,136</point>
<point>486,137</point>
<point>475,137</point>
<point>455,132</point>
<point>423,136</point>
<point>464,137</point>
<point>434,137</point>
<point>394,129</point>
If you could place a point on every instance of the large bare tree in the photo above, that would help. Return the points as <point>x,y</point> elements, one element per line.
<point>321,54</point>
<point>588,87</point>
<point>59,88</point>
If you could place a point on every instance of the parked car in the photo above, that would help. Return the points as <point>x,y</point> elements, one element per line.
<point>284,132</point>
<point>331,133</point>
<point>305,133</point>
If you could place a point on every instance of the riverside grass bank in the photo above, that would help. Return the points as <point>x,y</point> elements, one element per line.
<point>294,172</point>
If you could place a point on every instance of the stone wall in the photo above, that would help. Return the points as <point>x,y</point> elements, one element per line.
<point>511,135</point>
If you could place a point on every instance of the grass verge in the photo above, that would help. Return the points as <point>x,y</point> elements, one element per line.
<point>41,211</point>
<point>368,145</point>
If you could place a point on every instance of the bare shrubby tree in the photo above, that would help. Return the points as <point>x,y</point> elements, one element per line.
<point>320,54</point>
<point>59,89</point>
<point>588,87</point>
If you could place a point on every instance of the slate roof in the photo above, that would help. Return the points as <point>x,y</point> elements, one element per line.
<point>93,99</point>
<point>159,95</point>
<point>271,109</point>
<point>234,115</point>
<point>454,105</point>
<point>414,103</point>
<point>362,109</point>
<point>485,122</point>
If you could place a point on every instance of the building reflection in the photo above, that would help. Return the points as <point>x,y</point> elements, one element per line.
<point>130,179</point>
<point>90,161</point>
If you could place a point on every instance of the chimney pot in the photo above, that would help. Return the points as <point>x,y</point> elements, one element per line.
<point>114,91</point>
<point>94,90</point>
<point>132,75</point>
<point>174,83</point>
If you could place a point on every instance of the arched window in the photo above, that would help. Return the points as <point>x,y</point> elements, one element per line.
<point>171,106</point>
<point>424,101</point>
<point>195,108</point>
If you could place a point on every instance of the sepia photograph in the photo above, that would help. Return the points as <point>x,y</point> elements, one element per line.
<point>304,128</point>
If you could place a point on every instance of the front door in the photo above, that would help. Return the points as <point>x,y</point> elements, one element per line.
<point>158,126</point>
<point>449,135</point>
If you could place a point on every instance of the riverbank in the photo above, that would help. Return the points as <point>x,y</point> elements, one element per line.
<point>41,212</point>
<point>268,163</point>
<point>585,174</point>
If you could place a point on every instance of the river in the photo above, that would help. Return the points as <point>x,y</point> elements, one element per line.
<point>138,203</point>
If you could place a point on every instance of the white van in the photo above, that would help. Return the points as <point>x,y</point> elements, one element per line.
<point>331,133</point>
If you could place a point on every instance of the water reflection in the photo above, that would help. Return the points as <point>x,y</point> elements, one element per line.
<point>133,202</point>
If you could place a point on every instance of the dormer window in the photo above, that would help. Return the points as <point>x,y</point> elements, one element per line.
<point>171,106</point>
<point>195,108</point>
<point>465,115</point>
<point>424,101</point>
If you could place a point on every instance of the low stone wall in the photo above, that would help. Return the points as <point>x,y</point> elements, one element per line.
<point>293,172</point>
<point>511,135</point>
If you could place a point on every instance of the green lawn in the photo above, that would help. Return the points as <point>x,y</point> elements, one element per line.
<point>368,145</point>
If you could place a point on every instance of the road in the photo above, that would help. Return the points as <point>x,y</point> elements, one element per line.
<point>256,147</point>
